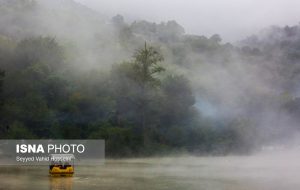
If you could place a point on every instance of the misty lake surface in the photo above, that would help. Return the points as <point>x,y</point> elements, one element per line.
<point>264,171</point>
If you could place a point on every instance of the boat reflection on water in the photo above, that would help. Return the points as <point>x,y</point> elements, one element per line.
<point>61,183</point>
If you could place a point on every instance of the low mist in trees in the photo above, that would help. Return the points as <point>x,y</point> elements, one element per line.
<point>136,107</point>
<point>146,88</point>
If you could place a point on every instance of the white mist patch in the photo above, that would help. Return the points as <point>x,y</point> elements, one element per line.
<point>264,171</point>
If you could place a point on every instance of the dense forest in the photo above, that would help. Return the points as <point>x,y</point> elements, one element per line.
<point>146,88</point>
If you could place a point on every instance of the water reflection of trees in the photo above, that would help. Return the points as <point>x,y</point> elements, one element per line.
<point>61,183</point>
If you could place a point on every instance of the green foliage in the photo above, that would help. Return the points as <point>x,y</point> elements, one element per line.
<point>2,74</point>
<point>41,50</point>
<point>167,32</point>
<point>118,140</point>
<point>18,131</point>
<point>135,90</point>
<point>134,108</point>
<point>145,66</point>
<point>176,107</point>
<point>55,92</point>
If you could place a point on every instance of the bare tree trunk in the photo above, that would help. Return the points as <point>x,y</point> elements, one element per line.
<point>143,117</point>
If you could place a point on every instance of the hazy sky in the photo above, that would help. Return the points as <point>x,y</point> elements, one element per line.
<point>232,19</point>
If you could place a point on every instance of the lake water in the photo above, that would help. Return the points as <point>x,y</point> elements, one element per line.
<point>265,171</point>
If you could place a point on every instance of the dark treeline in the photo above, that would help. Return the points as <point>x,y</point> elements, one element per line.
<point>133,107</point>
<point>66,73</point>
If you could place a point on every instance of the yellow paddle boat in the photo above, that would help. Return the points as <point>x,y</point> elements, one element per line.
<point>62,165</point>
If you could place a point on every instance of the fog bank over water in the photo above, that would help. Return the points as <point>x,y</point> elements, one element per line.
<point>266,171</point>
<point>202,95</point>
<point>232,19</point>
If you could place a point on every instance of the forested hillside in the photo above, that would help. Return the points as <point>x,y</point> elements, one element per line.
<point>146,88</point>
